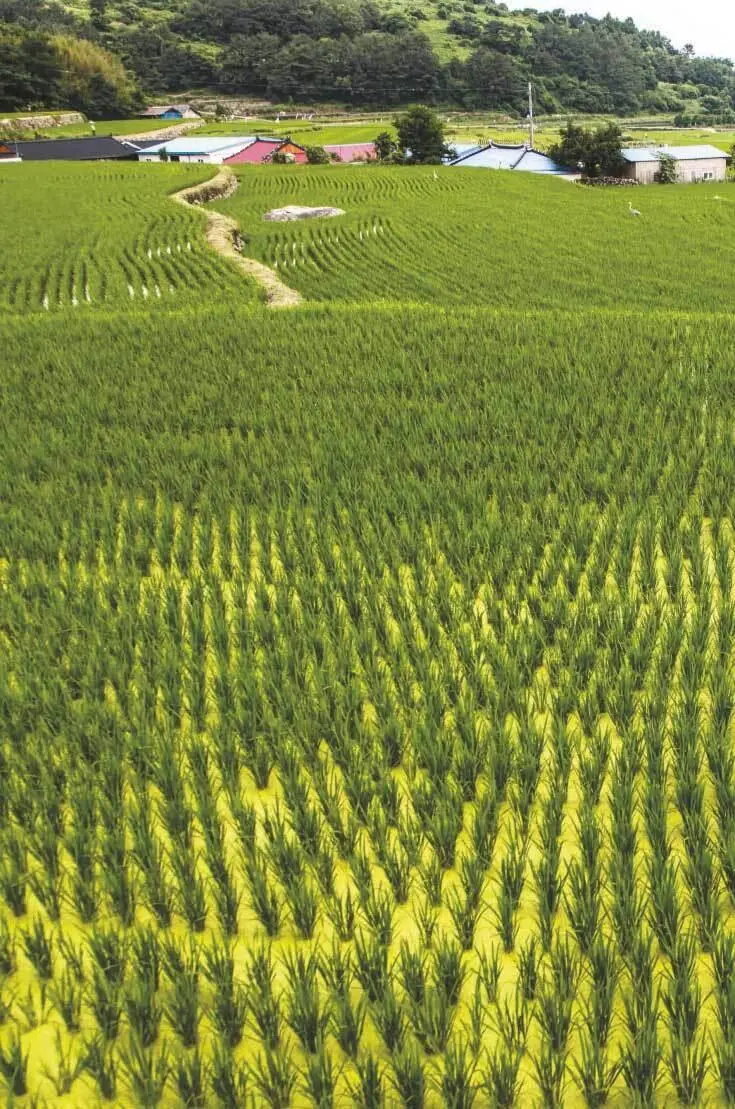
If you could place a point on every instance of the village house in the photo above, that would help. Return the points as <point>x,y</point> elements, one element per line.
<point>170,111</point>
<point>223,150</point>
<point>693,163</point>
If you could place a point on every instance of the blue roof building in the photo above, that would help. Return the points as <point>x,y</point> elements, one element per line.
<point>498,156</point>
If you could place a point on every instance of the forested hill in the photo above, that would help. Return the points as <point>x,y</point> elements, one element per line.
<point>361,52</point>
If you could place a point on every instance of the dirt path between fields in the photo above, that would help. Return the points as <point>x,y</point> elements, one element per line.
<point>223,235</point>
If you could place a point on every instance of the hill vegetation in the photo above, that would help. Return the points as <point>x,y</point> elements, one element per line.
<point>474,54</point>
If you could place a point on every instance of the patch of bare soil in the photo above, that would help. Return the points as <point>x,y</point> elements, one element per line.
<point>295,211</point>
<point>223,235</point>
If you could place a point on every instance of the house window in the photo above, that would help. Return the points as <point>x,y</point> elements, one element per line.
<point>708,176</point>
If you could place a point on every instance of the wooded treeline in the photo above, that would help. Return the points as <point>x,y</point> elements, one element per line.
<point>351,51</point>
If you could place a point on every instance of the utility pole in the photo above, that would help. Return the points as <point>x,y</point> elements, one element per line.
<point>530,113</point>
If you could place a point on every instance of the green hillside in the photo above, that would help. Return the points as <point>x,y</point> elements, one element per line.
<point>475,55</point>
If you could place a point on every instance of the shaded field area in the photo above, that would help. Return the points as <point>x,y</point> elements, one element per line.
<point>455,236</point>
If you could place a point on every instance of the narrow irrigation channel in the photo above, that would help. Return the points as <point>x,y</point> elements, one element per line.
<point>223,235</point>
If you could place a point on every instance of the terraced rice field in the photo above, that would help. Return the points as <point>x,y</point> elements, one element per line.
<point>465,236</point>
<point>91,236</point>
<point>367,671</point>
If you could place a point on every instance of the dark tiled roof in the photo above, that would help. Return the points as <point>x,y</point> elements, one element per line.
<point>73,150</point>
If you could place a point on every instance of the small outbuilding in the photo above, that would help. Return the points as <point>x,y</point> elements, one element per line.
<point>693,163</point>
<point>170,111</point>
<point>352,151</point>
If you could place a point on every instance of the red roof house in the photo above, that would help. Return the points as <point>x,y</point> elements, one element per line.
<point>353,151</point>
<point>259,151</point>
<point>262,150</point>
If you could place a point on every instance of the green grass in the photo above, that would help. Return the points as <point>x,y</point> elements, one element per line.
<point>366,669</point>
<point>464,236</point>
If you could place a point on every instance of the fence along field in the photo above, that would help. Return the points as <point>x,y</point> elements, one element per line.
<point>104,235</point>
<point>376,695</point>
<point>463,236</point>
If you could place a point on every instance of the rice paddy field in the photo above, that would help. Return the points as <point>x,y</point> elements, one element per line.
<point>366,668</point>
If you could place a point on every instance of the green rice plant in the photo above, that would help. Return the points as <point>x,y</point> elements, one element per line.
<point>412,965</point>
<point>105,1001</point>
<point>489,972</point>
<point>582,901</point>
<point>274,1078</point>
<point>550,1067</point>
<point>14,873</point>
<point>143,1010</point>
<point>147,1073</point>
<point>38,949</point>
<point>99,1062</point>
<point>457,1086</point>
<point>554,1015</point>
<point>325,869</point>
<point>389,1019</point>
<point>368,1092</point>
<point>512,877</point>
<point>426,917</point>
<point>682,993</point>
<point>14,1067</point>
<point>7,948</point>
<point>65,994</point>
<point>192,900</point>
<point>432,876</point>
<point>304,1011</point>
<point>688,1065</point>
<point>181,1005</point>
<point>397,867</point>
<point>264,897</point>
<point>69,1065</point>
<point>449,970</point>
<point>304,906</point>
<point>264,1003</point>
<point>528,969</point>
<point>229,1003</point>
<point>371,966</point>
<point>500,1080</point>
<point>641,1059</point>
<point>409,1079</point>
<point>348,1022</point>
<point>146,955</point>
<point>342,913</point>
<point>108,948</point>
<point>484,827</point>
<point>665,908</point>
<point>191,1079</point>
<point>464,914</point>
<point>594,1075</point>
<point>474,1029</point>
<point>604,975</point>
<point>228,1078</point>
<point>321,1078</point>
<point>432,1020</point>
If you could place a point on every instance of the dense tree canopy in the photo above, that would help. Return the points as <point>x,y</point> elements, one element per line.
<point>363,52</point>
